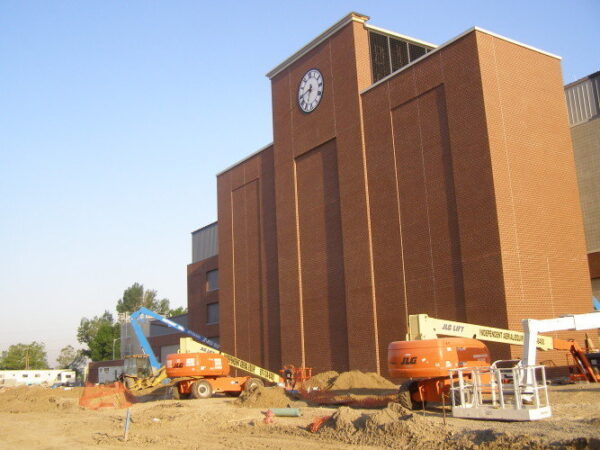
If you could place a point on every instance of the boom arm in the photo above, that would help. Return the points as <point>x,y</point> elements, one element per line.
<point>421,326</point>
<point>156,365</point>
<point>190,346</point>
<point>572,322</point>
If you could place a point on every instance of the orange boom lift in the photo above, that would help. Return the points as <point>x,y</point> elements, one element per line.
<point>425,359</point>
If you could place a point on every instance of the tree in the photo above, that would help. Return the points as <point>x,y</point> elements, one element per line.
<point>100,335</point>
<point>177,311</point>
<point>24,357</point>
<point>136,296</point>
<point>66,356</point>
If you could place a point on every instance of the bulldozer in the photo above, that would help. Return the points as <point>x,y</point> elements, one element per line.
<point>138,373</point>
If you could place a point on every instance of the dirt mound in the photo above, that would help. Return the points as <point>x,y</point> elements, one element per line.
<point>346,420</point>
<point>38,399</point>
<point>354,388</point>
<point>321,380</point>
<point>393,426</point>
<point>355,379</point>
<point>493,440</point>
<point>265,397</point>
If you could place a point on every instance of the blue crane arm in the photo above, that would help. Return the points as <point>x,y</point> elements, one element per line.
<point>144,341</point>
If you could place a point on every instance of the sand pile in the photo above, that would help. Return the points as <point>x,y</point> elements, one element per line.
<point>490,439</point>
<point>354,388</point>
<point>265,397</point>
<point>397,427</point>
<point>322,380</point>
<point>352,381</point>
<point>355,379</point>
<point>38,399</point>
<point>349,381</point>
<point>392,426</point>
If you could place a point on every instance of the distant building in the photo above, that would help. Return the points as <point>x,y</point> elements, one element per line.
<point>203,283</point>
<point>36,377</point>
<point>163,339</point>
<point>104,371</point>
<point>583,103</point>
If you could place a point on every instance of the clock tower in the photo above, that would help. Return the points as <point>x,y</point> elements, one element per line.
<point>318,156</point>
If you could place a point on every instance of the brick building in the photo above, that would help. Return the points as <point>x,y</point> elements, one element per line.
<point>403,178</point>
<point>583,104</point>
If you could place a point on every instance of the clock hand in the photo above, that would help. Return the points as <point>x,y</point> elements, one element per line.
<point>305,92</point>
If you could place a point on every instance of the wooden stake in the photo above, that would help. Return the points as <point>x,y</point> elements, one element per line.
<point>127,421</point>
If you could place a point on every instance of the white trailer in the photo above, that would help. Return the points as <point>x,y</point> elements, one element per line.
<point>36,377</point>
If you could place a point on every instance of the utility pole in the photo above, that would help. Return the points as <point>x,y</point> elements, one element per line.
<point>26,359</point>
<point>113,346</point>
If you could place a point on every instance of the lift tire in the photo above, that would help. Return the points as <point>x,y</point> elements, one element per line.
<point>253,384</point>
<point>404,396</point>
<point>175,395</point>
<point>201,389</point>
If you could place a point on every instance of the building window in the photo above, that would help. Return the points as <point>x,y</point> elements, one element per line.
<point>212,280</point>
<point>389,54</point>
<point>398,54</point>
<point>380,56</point>
<point>416,51</point>
<point>212,313</point>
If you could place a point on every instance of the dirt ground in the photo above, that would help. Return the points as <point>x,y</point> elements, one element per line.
<point>51,418</point>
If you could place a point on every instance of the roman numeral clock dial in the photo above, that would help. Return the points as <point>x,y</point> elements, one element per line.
<point>310,90</point>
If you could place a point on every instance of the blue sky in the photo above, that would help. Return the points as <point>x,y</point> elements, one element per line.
<point>116,116</point>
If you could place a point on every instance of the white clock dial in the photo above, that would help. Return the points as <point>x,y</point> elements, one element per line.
<point>310,90</point>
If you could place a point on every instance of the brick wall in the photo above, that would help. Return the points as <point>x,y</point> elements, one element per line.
<point>249,283</point>
<point>435,241</point>
<point>544,259</point>
<point>199,297</point>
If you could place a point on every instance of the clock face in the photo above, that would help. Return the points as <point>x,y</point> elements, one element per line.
<point>310,90</point>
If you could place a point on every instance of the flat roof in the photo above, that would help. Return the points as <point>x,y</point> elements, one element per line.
<point>587,77</point>
<point>205,227</point>
<point>454,39</point>
<point>398,35</point>
<point>251,155</point>
<point>352,17</point>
